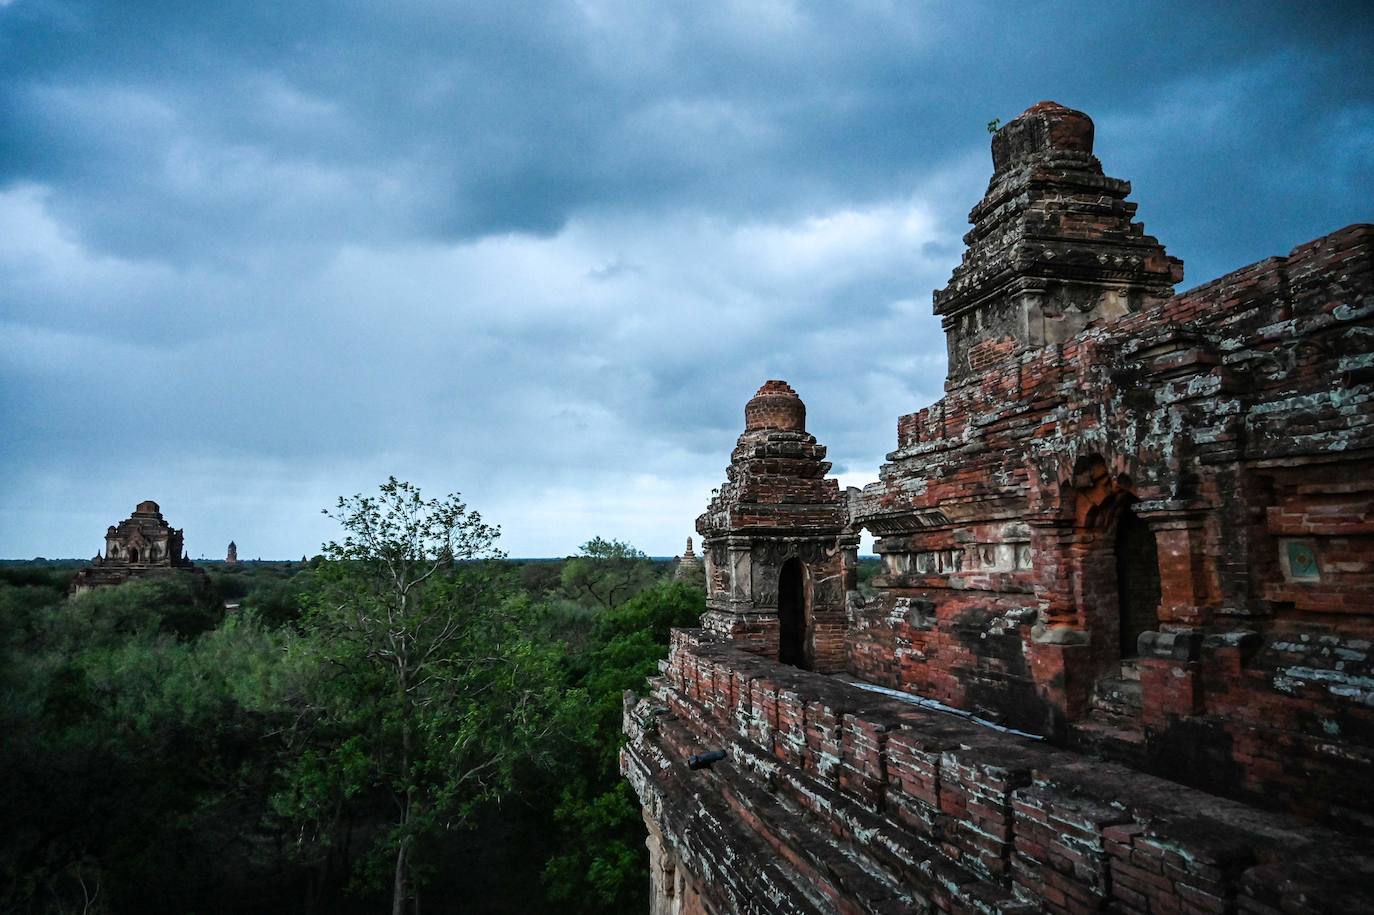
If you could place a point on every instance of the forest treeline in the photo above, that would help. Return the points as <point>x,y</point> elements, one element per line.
<point>420,724</point>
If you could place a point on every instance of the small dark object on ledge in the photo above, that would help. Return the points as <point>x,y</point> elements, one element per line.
<point>705,760</point>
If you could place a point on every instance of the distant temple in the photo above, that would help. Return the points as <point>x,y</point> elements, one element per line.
<point>232,559</point>
<point>689,567</point>
<point>142,544</point>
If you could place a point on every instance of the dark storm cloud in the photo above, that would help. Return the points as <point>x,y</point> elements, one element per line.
<point>404,118</point>
<point>544,255</point>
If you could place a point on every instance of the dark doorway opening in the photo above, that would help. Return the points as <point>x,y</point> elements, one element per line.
<point>792,614</point>
<point>1137,579</point>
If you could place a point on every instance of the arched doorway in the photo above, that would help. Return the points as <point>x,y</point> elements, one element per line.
<point>792,614</point>
<point>1137,579</point>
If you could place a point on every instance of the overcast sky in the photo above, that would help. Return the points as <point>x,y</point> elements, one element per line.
<point>254,256</point>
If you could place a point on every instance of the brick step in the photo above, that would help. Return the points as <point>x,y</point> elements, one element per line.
<point>708,839</point>
<point>1112,728</point>
<point>1110,737</point>
<point>1118,697</point>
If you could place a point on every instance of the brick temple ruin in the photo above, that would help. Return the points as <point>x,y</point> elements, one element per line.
<point>1118,657</point>
<point>142,545</point>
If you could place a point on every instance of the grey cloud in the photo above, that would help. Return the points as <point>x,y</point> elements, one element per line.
<point>544,256</point>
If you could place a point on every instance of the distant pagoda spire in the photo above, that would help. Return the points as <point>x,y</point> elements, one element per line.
<point>689,566</point>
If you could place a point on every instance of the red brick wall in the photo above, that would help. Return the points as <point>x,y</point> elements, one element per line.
<point>1235,420</point>
<point>1238,421</point>
<point>835,796</point>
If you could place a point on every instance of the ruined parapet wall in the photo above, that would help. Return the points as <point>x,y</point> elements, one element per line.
<point>777,560</point>
<point>836,799</point>
<point>1153,537</point>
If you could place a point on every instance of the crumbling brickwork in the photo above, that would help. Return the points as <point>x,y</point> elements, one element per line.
<point>833,798</point>
<point>1139,527</point>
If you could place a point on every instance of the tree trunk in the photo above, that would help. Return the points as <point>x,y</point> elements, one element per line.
<point>398,888</point>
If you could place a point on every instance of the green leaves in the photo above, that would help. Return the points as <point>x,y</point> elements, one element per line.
<point>127,745</point>
<point>406,533</point>
<point>426,672</point>
<point>606,573</point>
<point>364,711</point>
<point>603,866</point>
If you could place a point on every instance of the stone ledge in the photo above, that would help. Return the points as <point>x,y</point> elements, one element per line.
<point>969,818</point>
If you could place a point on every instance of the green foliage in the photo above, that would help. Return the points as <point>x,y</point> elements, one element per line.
<point>606,573</point>
<point>869,568</point>
<point>429,693</point>
<point>541,579</point>
<point>45,578</point>
<point>379,703</point>
<point>603,866</point>
<point>280,601</point>
<point>180,605</point>
<point>133,749</point>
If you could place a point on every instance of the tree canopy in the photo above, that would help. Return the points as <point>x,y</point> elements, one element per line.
<point>432,690</point>
<point>406,713</point>
<point>606,573</point>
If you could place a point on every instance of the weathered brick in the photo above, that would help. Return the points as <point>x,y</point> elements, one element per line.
<point>1138,523</point>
